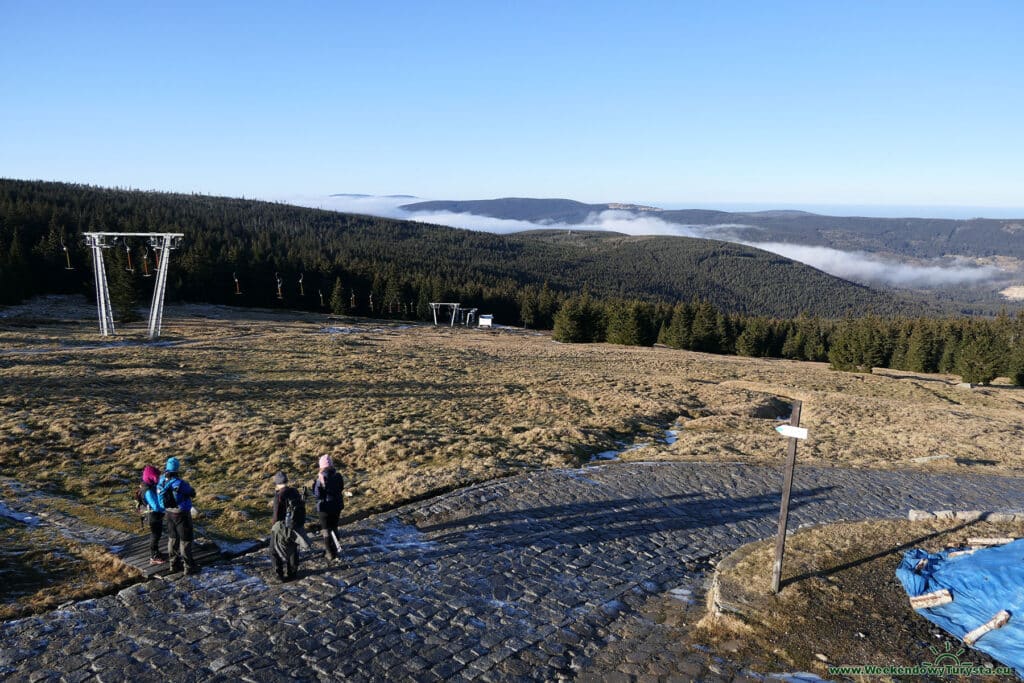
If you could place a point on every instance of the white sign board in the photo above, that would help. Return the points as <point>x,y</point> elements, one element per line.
<point>791,431</point>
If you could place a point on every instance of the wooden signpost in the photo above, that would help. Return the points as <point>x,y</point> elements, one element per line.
<point>794,432</point>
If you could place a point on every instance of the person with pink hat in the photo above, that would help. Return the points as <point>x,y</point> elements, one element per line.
<point>328,490</point>
<point>148,500</point>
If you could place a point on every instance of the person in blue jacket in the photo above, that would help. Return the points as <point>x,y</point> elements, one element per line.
<point>176,496</point>
<point>149,501</point>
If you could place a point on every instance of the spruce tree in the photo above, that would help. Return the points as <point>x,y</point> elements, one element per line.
<point>756,338</point>
<point>1016,371</point>
<point>123,295</point>
<point>339,304</point>
<point>979,360</point>
<point>570,323</point>
<point>923,350</point>
<point>529,308</point>
<point>704,332</point>
<point>680,330</point>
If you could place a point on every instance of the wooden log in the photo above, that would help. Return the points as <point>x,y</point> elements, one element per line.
<point>987,542</point>
<point>998,621</point>
<point>934,599</point>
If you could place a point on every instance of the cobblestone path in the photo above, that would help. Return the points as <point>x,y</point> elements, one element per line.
<point>512,580</point>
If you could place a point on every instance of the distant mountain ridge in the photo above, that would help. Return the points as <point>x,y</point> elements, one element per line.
<point>909,237</point>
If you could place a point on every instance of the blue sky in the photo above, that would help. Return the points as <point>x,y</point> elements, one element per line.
<point>916,104</point>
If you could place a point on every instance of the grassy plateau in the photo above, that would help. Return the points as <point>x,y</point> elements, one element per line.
<point>411,410</point>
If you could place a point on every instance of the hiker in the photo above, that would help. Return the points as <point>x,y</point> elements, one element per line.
<point>148,500</point>
<point>176,496</point>
<point>287,532</point>
<point>327,489</point>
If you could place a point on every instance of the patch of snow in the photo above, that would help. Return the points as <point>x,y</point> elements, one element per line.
<point>671,436</point>
<point>8,513</point>
<point>350,331</point>
<point>614,455</point>
<point>605,455</point>
<point>364,330</point>
<point>574,475</point>
<point>684,595</point>
<point>237,548</point>
<point>398,536</point>
<point>928,458</point>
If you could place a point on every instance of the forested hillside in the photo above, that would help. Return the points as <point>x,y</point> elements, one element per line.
<point>366,265</point>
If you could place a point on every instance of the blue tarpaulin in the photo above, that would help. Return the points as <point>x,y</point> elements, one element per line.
<point>982,584</point>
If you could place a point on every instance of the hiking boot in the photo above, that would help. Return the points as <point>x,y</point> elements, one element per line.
<point>191,571</point>
<point>157,560</point>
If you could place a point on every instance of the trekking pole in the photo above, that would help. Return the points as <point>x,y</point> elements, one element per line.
<point>337,545</point>
<point>139,513</point>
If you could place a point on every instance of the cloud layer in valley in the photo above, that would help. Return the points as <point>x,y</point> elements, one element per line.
<point>850,265</point>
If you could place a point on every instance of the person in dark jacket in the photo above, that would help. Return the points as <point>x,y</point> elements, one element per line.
<point>327,490</point>
<point>286,534</point>
<point>180,534</point>
<point>149,501</point>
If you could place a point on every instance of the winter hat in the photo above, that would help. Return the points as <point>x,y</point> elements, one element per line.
<point>150,475</point>
<point>173,465</point>
<point>325,462</point>
<point>280,479</point>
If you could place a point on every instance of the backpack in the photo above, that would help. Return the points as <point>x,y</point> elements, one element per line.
<point>167,495</point>
<point>140,497</point>
<point>330,493</point>
<point>289,514</point>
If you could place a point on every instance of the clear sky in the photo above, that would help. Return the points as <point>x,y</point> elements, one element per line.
<point>797,103</point>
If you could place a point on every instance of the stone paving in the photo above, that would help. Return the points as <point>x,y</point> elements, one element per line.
<point>512,580</point>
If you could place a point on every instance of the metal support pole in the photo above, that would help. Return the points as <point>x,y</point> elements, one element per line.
<point>103,308</point>
<point>787,487</point>
<point>156,308</point>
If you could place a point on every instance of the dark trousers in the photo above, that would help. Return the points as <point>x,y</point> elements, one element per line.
<point>329,526</point>
<point>287,565</point>
<point>156,530</point>
<point>179,540</point>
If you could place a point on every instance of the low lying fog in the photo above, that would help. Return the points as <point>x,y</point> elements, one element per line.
<point>850,265</point>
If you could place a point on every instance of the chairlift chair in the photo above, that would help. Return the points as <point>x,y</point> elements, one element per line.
<point>67,255</point>
<point>238,286</point>
<point>128,251</point>
<point>280,295</point>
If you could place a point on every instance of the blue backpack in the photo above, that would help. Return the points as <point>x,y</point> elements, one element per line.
<point>167,493</point>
